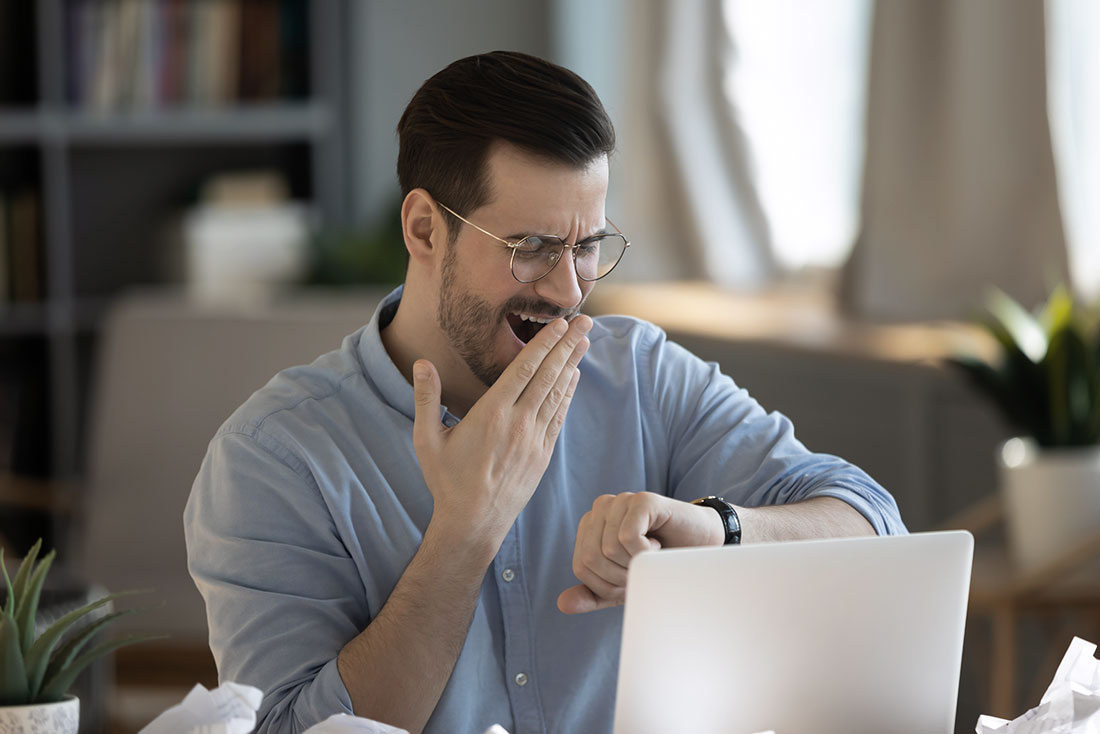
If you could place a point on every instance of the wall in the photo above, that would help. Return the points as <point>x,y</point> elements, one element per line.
<point>394,47</point>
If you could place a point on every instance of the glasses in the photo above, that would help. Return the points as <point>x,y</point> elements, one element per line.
<point>535,256</point>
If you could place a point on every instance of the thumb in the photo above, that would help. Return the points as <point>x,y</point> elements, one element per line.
<point>426,423</point>
<point>580,599</point>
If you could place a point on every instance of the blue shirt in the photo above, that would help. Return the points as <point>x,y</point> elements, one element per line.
<point>310,503</point>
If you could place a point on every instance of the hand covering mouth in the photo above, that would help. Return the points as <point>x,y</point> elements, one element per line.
<point>526,324</point>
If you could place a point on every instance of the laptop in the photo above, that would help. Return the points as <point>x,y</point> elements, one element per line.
<point>836,636</point>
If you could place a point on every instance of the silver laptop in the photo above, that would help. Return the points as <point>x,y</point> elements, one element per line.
<point>812,637</point>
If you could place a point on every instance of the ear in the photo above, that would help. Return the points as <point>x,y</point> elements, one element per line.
<point>422,226</point>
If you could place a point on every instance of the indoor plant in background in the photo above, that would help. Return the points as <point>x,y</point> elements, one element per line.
<point>1045,380</point>
<point>36,671</point>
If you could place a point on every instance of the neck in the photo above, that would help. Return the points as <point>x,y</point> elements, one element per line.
<point>411,336</point>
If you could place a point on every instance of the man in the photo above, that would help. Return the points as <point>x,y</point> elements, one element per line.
<point>362,548</point>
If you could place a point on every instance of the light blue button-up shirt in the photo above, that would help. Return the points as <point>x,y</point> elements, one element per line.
<point>310,504</point>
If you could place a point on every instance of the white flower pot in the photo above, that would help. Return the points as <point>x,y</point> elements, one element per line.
<point>62,717</point>
<point>1051,499</point>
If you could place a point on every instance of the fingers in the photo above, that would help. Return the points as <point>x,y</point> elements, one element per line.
<point>599,560</point>
<point>534,371</point>
<point>608,536</point>
<point>427,428</point>
<point>563,387</point>
<point>553,428</point>
<point>523,368</point>
<point>563,357</point>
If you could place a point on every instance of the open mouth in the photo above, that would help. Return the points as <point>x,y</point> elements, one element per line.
<point>525,327</point>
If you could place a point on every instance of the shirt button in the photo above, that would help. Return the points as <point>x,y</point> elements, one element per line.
<point>521,679</point>
<point>508,574</point>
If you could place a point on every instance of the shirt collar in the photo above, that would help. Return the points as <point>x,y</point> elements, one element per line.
<point>379,366</point>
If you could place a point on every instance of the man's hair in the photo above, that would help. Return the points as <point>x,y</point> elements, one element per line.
<point>454,118</point>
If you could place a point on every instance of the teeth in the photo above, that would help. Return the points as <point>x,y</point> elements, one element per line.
<point>536,319</point>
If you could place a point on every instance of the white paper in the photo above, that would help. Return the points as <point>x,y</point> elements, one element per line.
<point>347,724</point>
<point>1071,705</point>
<point>228,709</point>
<point>231,709</point>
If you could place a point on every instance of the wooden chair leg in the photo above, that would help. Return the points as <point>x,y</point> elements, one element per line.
<point>1003,663</point>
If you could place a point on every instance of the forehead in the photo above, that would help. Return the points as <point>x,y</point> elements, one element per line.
<point>545,191</point>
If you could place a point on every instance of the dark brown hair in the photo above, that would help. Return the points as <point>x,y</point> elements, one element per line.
<point>453,119</point>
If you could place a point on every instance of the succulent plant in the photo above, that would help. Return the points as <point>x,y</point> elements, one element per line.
<point>35,669</point>
<point>1046,381</point>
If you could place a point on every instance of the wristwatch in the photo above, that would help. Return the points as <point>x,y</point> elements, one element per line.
<point>728,514</point>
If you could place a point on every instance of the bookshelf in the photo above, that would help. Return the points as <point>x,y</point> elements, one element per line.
<point>112,114</point>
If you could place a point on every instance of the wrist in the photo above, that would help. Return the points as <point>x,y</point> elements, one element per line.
<point>470,542</point>
<point>728,522</point>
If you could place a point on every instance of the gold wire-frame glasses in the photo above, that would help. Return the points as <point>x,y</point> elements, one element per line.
<point>538,254</point>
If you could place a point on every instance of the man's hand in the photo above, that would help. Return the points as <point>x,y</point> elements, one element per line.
<point>482,472</point>
<point>617,528</point>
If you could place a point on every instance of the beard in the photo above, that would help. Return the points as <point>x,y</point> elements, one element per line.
<point>472,324</point>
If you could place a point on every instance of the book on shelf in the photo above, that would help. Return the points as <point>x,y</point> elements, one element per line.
<point>20,246</point>
<point>151,54</point>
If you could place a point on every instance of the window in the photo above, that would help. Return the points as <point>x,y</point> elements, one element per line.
<point>1073,74</point>
<point>798,85</point>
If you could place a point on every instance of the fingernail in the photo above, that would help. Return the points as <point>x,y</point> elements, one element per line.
<point>559,327</point>
<point>420,372</point>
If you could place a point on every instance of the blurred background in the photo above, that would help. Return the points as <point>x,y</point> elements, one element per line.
<point>196,193</point>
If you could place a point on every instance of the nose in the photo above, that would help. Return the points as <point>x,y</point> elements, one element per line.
<point>561,286</point>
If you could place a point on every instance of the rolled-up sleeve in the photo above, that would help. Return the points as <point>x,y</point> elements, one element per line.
<point>722,441</point>
<point>282,594</point>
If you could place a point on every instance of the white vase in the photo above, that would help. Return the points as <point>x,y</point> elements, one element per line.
<point>62,717</point>
<point>1051,499</point>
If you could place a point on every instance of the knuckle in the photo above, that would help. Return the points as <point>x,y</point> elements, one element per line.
<point>547,381</point>
<point>526,370</point>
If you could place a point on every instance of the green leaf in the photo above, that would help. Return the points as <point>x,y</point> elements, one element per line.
<point>1023,329</point>
<point>9,607</point>
<point>1058,312</point>
<point>45,643</point>
<point>27,608</point>
<point>13,674</point>
<point>16,589</point>
<point>40,662</point>
<point>58,682</point>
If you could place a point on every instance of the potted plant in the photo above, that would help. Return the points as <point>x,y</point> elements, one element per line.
<point>1045,379</point>
<point>36,671</point>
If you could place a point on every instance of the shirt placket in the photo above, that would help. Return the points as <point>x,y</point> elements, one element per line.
<point>519,661</point>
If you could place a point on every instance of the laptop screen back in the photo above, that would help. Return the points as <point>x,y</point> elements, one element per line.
<point>838,636</point>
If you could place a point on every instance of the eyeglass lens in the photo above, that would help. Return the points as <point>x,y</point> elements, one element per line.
<point>595,258</point>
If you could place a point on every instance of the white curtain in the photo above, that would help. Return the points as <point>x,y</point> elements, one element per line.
<point>959,191</point>
<point>798,83</point>
<point>1073,56</point>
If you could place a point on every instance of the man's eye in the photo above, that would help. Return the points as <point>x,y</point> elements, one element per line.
<point>533,247</point>
<point>587,249</point>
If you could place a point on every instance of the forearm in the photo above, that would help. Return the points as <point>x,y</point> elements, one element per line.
<point>818,517</point>
<point>396,669</point>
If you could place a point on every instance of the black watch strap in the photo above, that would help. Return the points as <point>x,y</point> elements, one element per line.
<point>728,514</point>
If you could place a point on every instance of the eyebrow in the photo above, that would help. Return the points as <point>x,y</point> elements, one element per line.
<point>599,233</point>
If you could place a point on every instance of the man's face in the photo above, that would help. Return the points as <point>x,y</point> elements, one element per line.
<point>486,314</point>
